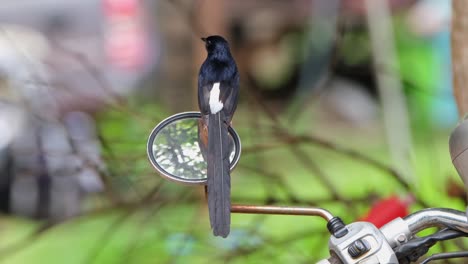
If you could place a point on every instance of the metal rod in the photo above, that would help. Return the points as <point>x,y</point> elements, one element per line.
<point>281,210</point>
<point>433,217</point>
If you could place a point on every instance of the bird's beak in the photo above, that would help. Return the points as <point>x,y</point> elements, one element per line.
<point>204,39</point>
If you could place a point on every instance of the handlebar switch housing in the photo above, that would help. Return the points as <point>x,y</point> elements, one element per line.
<point>363,243</point>
<point>397,232</point>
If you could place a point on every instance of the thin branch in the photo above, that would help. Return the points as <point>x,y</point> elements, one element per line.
<point>145,219</point>
<point>289,139</point>
<point>25,242</point>
<point>111,230</point>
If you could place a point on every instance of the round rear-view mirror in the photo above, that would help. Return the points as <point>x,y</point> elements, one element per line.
<point>174,152</point>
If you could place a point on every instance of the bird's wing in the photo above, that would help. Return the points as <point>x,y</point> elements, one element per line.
<point>204,97</point>
<point>229,96</point>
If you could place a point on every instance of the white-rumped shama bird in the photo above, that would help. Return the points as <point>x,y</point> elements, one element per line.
<point>218,91</point>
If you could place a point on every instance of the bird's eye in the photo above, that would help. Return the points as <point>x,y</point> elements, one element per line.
<point>208,42</point>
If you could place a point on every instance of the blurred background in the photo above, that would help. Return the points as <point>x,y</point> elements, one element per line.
<point>345,104</point>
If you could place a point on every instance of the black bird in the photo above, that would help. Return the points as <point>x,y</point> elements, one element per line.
<point>218,91</point>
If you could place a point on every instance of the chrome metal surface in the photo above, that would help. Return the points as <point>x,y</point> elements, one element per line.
<point>437,217</point>
<point>396,232</point>
<point>281,210</point>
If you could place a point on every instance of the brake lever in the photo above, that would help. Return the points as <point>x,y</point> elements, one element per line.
<point>412,250</point>
<point>450,255</point>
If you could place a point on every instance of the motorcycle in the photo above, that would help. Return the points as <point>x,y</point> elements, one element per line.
<point>173,151</point>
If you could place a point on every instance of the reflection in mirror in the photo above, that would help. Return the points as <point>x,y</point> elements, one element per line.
<point>174,151</point>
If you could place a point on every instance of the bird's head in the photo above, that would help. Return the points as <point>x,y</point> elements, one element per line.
<point>216,45</point>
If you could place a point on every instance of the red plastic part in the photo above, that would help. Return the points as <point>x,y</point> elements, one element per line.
<point>386,210</point>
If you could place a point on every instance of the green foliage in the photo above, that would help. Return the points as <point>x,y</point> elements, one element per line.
<point>174,227</point>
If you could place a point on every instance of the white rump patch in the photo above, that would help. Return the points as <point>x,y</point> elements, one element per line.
<point>215,102</point>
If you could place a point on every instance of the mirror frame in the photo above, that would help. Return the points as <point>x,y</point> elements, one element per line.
<point>170,120</point>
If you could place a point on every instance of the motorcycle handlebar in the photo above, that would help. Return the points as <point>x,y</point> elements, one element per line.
<point>394,234</point>
<point>437,217</point>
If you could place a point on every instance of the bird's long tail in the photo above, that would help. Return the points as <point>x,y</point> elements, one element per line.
<point>219,181</point>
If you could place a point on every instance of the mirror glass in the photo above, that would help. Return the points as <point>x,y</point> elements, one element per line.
<point>174,152</point>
